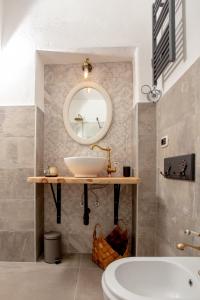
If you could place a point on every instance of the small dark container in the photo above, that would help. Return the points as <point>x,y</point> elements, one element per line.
<point>126,171</point>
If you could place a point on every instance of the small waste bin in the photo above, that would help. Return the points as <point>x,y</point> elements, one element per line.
<point>52,247</point>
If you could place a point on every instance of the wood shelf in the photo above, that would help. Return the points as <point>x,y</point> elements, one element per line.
<point>58,181</point>
<point>75,180</point>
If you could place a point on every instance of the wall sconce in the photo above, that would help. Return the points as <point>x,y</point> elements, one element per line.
<point>87,68</point>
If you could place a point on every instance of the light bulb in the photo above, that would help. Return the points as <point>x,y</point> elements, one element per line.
<point>86,73</point>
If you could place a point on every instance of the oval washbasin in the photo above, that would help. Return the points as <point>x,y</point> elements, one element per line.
<point>156,279</point>
<point>85,166</point>
<point>151,278</point>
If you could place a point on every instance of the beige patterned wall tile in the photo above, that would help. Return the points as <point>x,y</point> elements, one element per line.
<point>145,156</point>
<point>39,189</point>
<point>17,245</point>
<point>16,215</point>
<point>14,184</point>
<point>17,161</point>
<point>117,80</point>
<point>178,117</point>
<point>16,152</point>
<point>39,142</point>
<point>17,121</point>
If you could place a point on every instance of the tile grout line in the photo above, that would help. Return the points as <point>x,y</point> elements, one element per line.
<point>77,281</point>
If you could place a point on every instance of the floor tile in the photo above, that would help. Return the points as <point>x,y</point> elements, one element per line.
<point>76,278</point>
<point>38,282</point>
<point>86,261</point>
<point>89,284</point>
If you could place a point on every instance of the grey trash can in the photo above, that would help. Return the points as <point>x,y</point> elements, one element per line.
<point>52,247</point>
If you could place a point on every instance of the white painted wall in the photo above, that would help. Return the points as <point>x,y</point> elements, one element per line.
<point>1,20</point>
<point>73,25</point>
<point>65,26</point>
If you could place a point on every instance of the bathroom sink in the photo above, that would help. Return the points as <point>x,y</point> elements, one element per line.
<point>85,166</point>
<point>153,279</point>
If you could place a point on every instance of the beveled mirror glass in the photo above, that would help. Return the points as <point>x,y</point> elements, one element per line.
<point>87,113</point>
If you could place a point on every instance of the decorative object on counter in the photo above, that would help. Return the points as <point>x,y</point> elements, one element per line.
<point>52,247</point>
<point>113,247</point>
<point>153,94</point>
<point>87,68</point>
<point>87,112</point>
<point>51,171</point>
<point>126,171</point>
<point>110,169</point>
<point>180,167</point>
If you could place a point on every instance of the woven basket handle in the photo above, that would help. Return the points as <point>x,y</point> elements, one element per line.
<point>95,231</point>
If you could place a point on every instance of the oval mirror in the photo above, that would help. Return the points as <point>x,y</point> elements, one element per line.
<point>87,113</point>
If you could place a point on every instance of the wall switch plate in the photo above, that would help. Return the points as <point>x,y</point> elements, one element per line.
<point>164,141</point>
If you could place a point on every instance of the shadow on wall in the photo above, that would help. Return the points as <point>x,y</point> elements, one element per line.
<point>14,13</point>
<point>180,40</point>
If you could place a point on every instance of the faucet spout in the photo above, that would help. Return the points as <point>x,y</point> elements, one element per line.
<point>182,246</point>
<point>110,169</point>
<point>101,148</point>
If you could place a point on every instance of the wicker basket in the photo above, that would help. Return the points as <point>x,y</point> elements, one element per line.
<point>102,252</point>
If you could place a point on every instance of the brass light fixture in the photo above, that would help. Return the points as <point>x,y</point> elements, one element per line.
<point>87,68</point>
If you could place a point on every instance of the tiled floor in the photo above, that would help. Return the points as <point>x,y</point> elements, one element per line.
<point>77,278</point>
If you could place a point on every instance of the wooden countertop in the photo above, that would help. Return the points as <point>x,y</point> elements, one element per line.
<point>76,180</point>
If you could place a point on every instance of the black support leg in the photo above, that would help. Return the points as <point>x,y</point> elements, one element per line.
<point>86,208</point>
<point>116,202</point>
<point>57,201</point>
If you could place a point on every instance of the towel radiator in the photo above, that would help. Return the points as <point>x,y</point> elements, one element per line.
<point>163,35</point>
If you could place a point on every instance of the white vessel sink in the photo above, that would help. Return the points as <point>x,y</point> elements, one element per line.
<point>152,279</point>
<point>85,166</point>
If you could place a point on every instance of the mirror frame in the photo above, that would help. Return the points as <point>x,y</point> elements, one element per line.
<point>66,106</point>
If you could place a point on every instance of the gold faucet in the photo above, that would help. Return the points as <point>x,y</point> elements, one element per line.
<point>110,169</point>
<point>182,246</point>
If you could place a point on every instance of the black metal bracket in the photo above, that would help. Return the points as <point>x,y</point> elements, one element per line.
<point>57,200</point>
<point>86,208</point>
<point>116,202</point>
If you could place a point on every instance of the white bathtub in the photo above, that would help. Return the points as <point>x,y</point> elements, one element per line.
<point>152,278</point>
